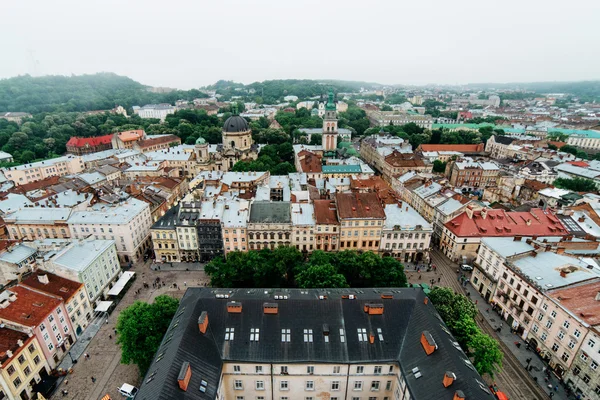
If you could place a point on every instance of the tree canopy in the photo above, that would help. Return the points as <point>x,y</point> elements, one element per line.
<point>576,184</point>
<point>141,327</point>
<point>287,267</point>
<point>459,312</point>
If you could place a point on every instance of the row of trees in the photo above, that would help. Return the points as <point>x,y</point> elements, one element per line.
<point>276,158</point>
<point>287,267</point>
<point>100,91</point>
<point>576,184</point>
<point>140,329</point>
<point>458,312</point>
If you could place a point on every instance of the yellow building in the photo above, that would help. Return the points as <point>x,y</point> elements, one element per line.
<point>361,218</point>
<point>22,363</point>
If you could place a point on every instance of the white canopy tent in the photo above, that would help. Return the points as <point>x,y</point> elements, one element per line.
<point>120,284</point>
<point>103,306</point>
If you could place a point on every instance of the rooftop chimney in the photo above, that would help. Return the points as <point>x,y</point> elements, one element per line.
<point>598,296</point>
<point>203,322</point>
<point>371,338</point>
<point>449,378</point>
<point>185,374</point>
<point>459,395</point>
<point>581,219</point>
<point>517,238</point>
<point>43,279</point>
<point>428,343</point>
<point>234,307</point>
<point>560,250</point>
<point>373,309</point>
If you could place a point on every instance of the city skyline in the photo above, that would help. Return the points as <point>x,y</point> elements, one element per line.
<point>438,43</point>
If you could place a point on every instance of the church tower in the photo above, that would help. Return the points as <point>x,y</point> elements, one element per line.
<point>330,125</point>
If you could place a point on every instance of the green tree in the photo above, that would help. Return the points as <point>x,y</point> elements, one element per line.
<point>316,139</point>
<point>576,184</point>
<point>439,166</point>
<point>27,156</point>
<point>321,276</point>
<point>486,353</point>
<point>140,329</point>
<point>452,306</point>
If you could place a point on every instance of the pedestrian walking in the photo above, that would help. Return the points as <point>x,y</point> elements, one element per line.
<point>184,283</point>
<point>93,380</point>
<point>439,279</point>
<point>556,388</point>
<point>110,336</point>
<point>419,277</point>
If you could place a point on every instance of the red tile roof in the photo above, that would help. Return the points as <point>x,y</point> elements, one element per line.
<point>30,308</point>
<point>91,141</point>
<point>309,162</point>
<point>128,136</point>
<point>581,164</point>
<point>537,222</point>
<point>8,341</point>
<point>56,286</point>
<point>407,160</point>
<point>325,212</point>
<point>462,148</point>
<point>159,140</point>
<point>359,205</point>
<point>581,301</point>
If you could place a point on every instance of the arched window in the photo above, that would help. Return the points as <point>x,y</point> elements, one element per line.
<point>233,144</point>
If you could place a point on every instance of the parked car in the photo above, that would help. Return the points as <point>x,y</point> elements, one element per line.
<point>466,267</point>
<point>128,390</point>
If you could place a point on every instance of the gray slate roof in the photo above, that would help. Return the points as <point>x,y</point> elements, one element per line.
<point>273,212</point>
<point>405,318</point>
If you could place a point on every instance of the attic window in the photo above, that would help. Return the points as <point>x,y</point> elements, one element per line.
<point>64,289</point>
<point>254,334</point>
<point>203,385</point>
<point>362,334</point>
<point>160,356</point>
<point>482,386</point>
<point>286,335</point>
<point>380,334</point>
<point>38,304</point>
<point>468,363</point>
<point>229,333</point>
<point>342,335</point>
<point>151,377</point>
<point>308,336</point>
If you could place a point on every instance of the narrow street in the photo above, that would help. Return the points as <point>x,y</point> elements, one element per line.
<point>104,364</point>
<point>514,379</point>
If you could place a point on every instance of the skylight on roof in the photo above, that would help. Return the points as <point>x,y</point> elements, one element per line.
<point>286,335</point>
<point>308,336</point>
<point>254,334</point>
<point>342,335</point>
<point>362,334</point>
<point>229,333</point>
<point>380,334</point>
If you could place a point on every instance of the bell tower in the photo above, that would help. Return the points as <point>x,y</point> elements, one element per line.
<point>330,125</point>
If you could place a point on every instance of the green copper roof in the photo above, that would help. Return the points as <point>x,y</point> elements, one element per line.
<point>330,104</point>
<point>200,140</point>
<point>341,169</point>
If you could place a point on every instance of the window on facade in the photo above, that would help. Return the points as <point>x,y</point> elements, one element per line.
<point>586,378</point>
<point>284,369</point>
<point>335,385</point>
<point>238,385</point>
<point>260,385</point>
<point>375,385</point>
<point>237,368</point>
<point>358,385</point>
<point>10,370</point>
<point>336,369</point>
<point>283,385</point>
<point>21,359</point>
<point>360,369</point>
<point>555,347</point>
<point>310,385</point>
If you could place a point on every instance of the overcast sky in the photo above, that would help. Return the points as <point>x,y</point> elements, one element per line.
<point>191,43</point>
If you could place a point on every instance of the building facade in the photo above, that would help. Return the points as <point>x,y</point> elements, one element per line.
<point>269,225</point>
<point>61,166</point>
<point>361,217</point>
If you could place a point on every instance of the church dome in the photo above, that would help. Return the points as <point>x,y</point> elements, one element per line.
<point>235,123</point>
<point>200,140</point>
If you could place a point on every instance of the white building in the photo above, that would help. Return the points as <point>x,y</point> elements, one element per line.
<point>128,224</point>
<point>590,141</point>
<point>61,166</point>
<point>303,227</point>
<point>159,111</point>
<point>405,235</point>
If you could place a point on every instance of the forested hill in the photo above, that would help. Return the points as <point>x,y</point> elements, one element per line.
<point>100,91</point>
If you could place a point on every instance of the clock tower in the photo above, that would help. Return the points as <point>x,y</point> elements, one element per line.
<point>330,125</point>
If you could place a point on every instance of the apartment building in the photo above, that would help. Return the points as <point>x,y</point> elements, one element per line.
<point>127,223</point>
<point>72,293</point>
<point>157,111</point>
<point>397,118</point>
<point>467,174</point>
<point>156,143</point>
<point>22,364</point>
<point>38,223</point>
<point>92,262</point>
<point>583,377</point>
<point>589,140</point>
<point>374,148</point>
<point>210,236</point>
<point>234,226</point>
<point>303,227</point>
<point>164,237</point>
<point>462,235</point>
<point>16,261</point>
<point>86,145</point>
<point>405,235</point>
<point>396,164</point>
<point>240,344</point>
<point>27,173</point>
<point>44,316</point>
<point>269,224</point>
<point>361,217</point>
<point>327,225</point>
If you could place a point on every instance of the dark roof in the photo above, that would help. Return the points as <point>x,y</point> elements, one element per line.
<point>274,212</point>
<point>404,320</point>
<point>235,123</point>
<point>359,205</point>
<point>503,139</point>
<point>169,220</point>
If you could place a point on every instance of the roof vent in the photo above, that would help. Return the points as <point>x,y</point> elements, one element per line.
<point>449,378</point>
<point>203,322</point>
<point>428,342</point>
<point>185,374</point>
<point>459,395</point>
<point>373,309</point>
<point>234,307</point>
<point>270,308</point>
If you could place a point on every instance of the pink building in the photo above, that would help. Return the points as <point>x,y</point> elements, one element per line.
<point>28,310</point>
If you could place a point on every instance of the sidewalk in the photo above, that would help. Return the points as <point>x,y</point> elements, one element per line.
<point>522,354</point>
<point>178,266</point>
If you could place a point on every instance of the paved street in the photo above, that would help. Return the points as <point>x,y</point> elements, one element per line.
<point>104,363</point>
